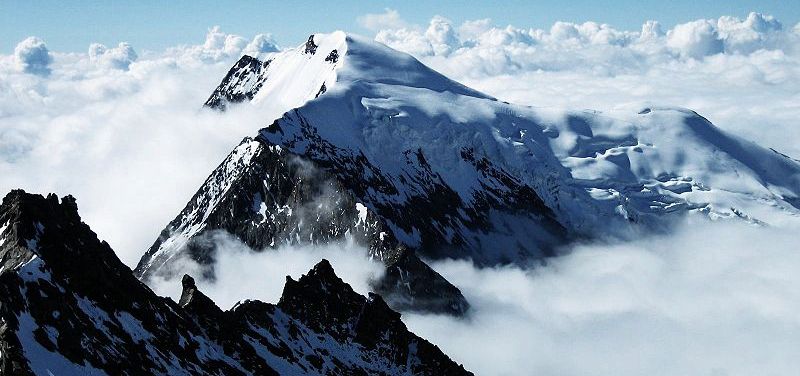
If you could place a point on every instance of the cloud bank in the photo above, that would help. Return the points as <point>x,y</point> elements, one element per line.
<point>592,42</point>
<point>714,299</point>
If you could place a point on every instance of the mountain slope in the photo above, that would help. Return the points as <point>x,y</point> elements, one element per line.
<point>572,160</point>
<point>270,198</point>
<point>68,306</point>
<point>416,162</point>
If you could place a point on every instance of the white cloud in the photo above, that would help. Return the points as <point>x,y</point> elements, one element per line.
<point>564,31</point>
<point>651,30</point>
<point>228,44</point>
<point>472,30</point>
<point>442,36</point>
<point>695,39</point>
<point>389,19</point>
<point>32,56</point>
<point>120,57</point>
<point>406,40</point>
<point>746,36</point>
<point>218,46</point>
<point>711,300</point>
<point>242,273</point>
<point>261,43</point>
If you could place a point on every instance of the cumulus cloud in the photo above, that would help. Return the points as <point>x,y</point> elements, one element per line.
<point>228,44</point>
<point>406,40</point>
<point>442,36</point>
<point>243,273</point>
<point>389,19</point>
<point>651,30</point>
<point>755,32</point>
<point>261,43</point>
<point>120,57</point>
<point>472,29</point>
<point>221,46</point>
<point>32,56</point>
<point>695,39</point>
<point>564,31</point>
<point>715,299</point>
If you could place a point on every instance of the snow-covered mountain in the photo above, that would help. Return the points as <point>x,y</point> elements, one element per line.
<point>68,306</point>
<point>376,146</point>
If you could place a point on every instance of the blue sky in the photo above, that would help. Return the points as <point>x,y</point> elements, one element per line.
<point>153,25</point>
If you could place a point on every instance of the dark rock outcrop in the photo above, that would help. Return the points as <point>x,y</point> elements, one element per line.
<point>68,306</point>
<point>311,47</point>
<point>240,84</point>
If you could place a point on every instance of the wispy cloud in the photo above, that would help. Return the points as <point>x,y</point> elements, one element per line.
<point>243,273</point>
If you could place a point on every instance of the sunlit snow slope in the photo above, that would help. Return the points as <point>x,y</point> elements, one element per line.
<point>637,164</point>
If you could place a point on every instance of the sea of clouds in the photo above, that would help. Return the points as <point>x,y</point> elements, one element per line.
<point>712,299</point>
<point>123,130</point>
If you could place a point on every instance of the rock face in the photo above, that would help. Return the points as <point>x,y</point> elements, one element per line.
<point>240,84</point>
<point>68,306</point>
<point>270,198</point>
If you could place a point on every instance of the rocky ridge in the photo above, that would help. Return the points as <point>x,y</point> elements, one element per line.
<point>68,306</point>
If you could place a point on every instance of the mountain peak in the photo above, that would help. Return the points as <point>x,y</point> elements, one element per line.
<point>19,203</point>
<point>329,41</point>
<point>51,232</point>
<point>200,306</point>
<point>299,74</point>
<point>322,297</point>
<point>319,281</point>
<point>323,270</point>
<point>26,218</point>
<point>293,77</point>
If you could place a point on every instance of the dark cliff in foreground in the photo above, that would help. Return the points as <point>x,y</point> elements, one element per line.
<point>68,306</point>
